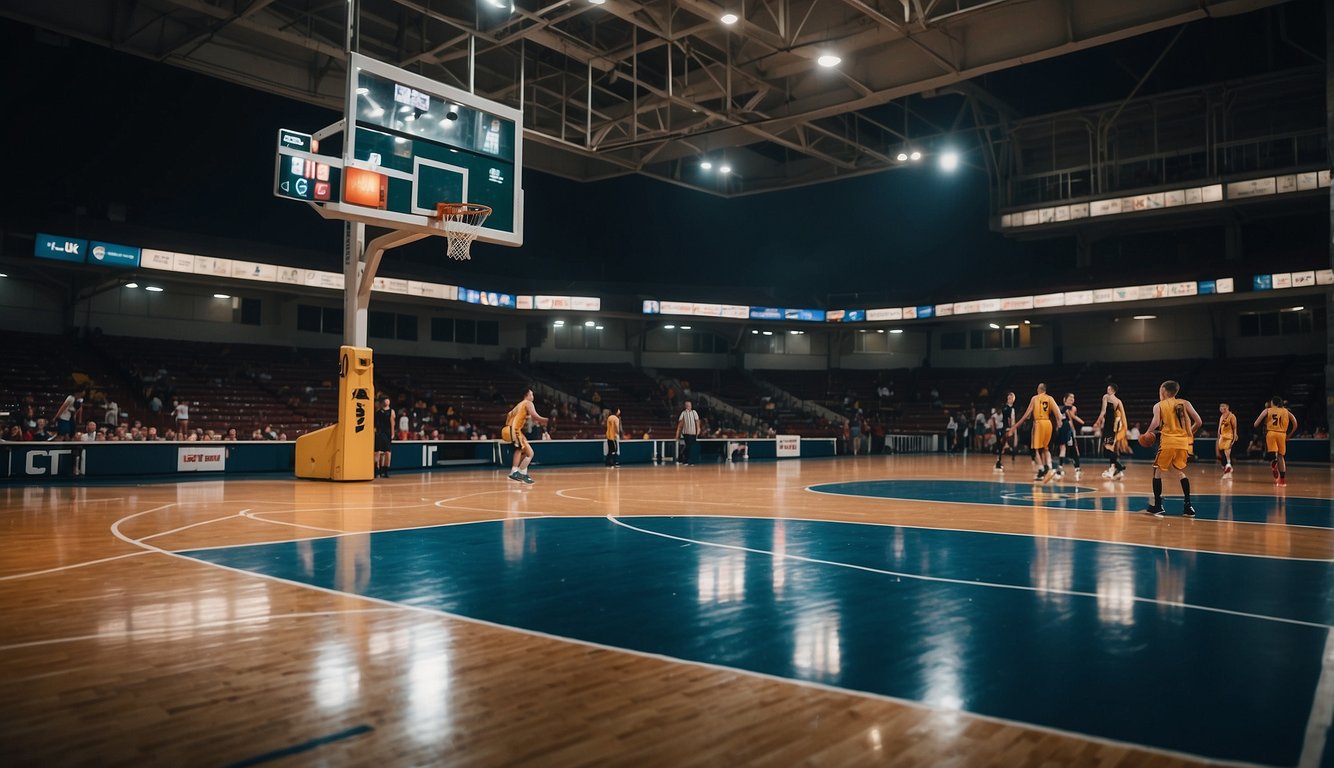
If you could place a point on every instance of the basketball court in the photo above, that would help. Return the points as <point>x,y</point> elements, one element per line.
<point>887,609</point>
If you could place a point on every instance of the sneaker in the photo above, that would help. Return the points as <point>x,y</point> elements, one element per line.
<point>526,479</point>
<point>1227,472</point>
<point>999,468</point>
<point>1120,474</point>
<point>1078,473</point>
<point>1282,482</point>
<point>1108,474</point>
<point>1188,511</point>
<point>1154,509</point>
<point>1040,476</point>
<point>1273,467</point>
<point>1051,476</point>
<point>516,476</point>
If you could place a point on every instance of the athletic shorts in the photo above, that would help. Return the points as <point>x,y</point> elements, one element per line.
<point>1041,435</point>
<point>64,426</point>
<point>1276,442</point>
<point>1171,458</point>
<point>1066,435</point>
<point>1224,443</point>
<point>381,442</point>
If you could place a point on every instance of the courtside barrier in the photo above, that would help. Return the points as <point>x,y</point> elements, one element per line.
<point>55,461</point>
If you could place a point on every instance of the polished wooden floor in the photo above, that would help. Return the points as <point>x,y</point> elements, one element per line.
<point>113,650</point>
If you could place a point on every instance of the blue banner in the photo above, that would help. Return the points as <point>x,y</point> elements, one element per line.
<point>113,255</point>
<point>1263,282</point>
<point>61,248</point>
<point>808,315</point>
<point>766,313</point>
<point>925,311</point>
<point>1208,286</point>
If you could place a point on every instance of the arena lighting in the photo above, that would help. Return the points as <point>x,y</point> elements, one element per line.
<point>993,326</point>
<point>589,323</point>
<point>768,333</point>
<point>728,18</point>
<point>828,60</point>
<point>879,330</point>
<point>706,165</point>
<point>1146,317</point>
<point>597,2</point>
<point>1012,327</point>
<point>131,285</point>
<point>754,332</point>
<point>597,327</point>
<point>901,157</point>
<point>685,327</point>
<point>153,288</point>
<point>896,330</point>
<point>1028,322</point>
<point>1290,309</point>
<point>221,296</point>
<point>2,274</point>
<point>915,156</point>
<point>559,323</point>
<point>949,161</point>
<point>724,168</point>
<point>669,327</point>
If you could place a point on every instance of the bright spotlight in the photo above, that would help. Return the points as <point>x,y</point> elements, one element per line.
<point>902,156</point>
<point>828,60</point>
<point>589,323</point>
<point>949,161</point>
<point>728,18</point>
<point>915,155</point>
<point>993,326</point>
<point>221,296</point>
<point>706,165</point>
<point>724,168</point>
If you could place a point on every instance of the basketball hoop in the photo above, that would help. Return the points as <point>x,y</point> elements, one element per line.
<point>461,222</point>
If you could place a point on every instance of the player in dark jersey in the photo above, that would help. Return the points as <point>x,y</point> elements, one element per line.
<point>1112,421</point>
<point>384,435</point>
<point>1004,439</point>
<point>1066,437</point>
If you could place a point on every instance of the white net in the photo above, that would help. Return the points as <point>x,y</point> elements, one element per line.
<point>461,222</point>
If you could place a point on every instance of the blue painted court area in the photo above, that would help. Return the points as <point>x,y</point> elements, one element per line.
<point>1207,654</point>
<point>1275,508</point>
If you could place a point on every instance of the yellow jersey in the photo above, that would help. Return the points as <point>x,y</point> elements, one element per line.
<point>517,417</point>
<point>1044,407</point>
<point>1175,424</point>
<point>1227,426</point>
<point>613,427</point>
<point>1277,419</point>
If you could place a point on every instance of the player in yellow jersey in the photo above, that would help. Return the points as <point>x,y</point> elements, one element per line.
<point>1227,435</point>
<point>1279,425</point>
<point>1046,415</point>
<point>614,437</point>
<point>513,433</point>
<point>1176,422</point>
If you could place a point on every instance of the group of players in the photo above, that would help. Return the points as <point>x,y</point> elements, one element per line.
<point>1175,422</point>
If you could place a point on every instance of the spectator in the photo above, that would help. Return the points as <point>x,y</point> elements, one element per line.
<point>155,404</point>
<point>269,433</point>
<point>89,433</point>
<point>112,415</point>
<point>67,415</point>
<point>181,412</point>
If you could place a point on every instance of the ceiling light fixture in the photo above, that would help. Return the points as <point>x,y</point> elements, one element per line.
<point>221,296</point>
<point>706,165</point>
<point>915,155</point>
<point>724,168</point>
<point>685,327</point>
<point>902,156</point>
<point>993,326</point>
<point>728,18</point>
<point>949,161</point>
<point>828,60</point>
<point>669,327</point>
<point>1146,317</point>
<point>153,288</point>
<point>131,285</point>
<point>896,330</point>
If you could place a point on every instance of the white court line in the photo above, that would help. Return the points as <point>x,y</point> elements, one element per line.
<point>193,525</point>
<point>135,633</point>
<point>1133,516</point>
<point>813,489</point>
<point>70,566</point>
<point>965,582</point>
<point>910,703</point>
<point>256,517</point>
<point>1322,709</point>
<point>770,508</point>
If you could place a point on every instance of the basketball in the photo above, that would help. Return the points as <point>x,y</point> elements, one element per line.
<point>1148,439</point>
